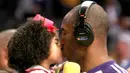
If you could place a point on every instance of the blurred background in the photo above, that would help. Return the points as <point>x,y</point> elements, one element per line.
<point>15,12</point>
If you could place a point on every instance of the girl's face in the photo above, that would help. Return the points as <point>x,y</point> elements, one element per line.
<point>55,51</point>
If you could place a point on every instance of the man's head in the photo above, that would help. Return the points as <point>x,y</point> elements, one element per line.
<point>97,18</point>
<point>4,38</point>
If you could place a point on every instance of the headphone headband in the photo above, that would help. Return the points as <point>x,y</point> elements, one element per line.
<point>84,8</point>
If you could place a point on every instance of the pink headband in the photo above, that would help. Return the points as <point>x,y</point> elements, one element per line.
<point>46,23</point>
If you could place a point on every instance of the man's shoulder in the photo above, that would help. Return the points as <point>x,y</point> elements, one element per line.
<point>108,67</point>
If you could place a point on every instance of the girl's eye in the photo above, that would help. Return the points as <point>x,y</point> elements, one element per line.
<point>57,41</point>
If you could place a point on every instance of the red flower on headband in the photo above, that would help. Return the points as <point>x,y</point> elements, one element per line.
<point>46,23</point>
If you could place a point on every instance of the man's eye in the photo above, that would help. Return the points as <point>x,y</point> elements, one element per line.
<point>63,33</point>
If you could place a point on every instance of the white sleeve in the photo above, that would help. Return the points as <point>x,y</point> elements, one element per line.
<point>38,71</point>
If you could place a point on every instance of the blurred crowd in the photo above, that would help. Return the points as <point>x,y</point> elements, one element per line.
<point>15,12</point>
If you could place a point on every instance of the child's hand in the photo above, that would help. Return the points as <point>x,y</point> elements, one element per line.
<point>57,68</point>
<point>128,70</point>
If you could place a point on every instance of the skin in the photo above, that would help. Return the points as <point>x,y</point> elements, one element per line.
<point>128,70</point>
<point>5,36</point>
<point>55,54</point>
<point>87,56</point>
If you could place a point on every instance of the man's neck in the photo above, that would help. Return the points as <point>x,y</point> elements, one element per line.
<point>93,58</point>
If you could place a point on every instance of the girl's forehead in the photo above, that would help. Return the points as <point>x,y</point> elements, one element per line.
<point>57,36</point>
<point>57,33</point>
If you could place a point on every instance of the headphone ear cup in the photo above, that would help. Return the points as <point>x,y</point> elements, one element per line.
<point>83,35</point>
<point>82,31</point>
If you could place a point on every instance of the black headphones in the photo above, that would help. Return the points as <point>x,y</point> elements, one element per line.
<point>82,30</point>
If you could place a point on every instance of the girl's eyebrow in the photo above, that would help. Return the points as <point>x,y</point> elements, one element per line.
<point>57,39</point>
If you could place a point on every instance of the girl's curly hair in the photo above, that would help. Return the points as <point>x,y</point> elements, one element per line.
<point>29,46</point>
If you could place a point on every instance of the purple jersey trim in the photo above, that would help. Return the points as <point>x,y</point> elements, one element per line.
<point>108,67</point>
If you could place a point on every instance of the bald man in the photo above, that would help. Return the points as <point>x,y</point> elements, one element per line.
<point>4,38</point>
<point>89,49</point>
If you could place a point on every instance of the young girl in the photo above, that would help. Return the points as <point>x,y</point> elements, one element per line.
<point>35,46</point>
